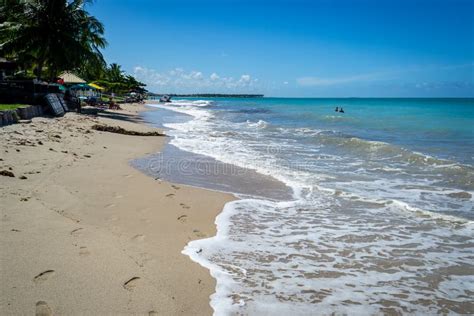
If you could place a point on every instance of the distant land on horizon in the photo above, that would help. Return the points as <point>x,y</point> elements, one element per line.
<point>225,95</point>
<point>208,95</point>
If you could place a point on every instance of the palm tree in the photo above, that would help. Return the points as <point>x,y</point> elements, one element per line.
<point>54,34</point>
<point>115,73</point>
<point>92,69</point>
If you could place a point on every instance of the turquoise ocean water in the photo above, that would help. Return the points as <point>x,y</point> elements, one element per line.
<point>381,219</point>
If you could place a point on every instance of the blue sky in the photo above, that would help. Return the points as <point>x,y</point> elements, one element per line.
<point>352,48</point>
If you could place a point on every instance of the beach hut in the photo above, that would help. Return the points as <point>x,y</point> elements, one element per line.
<point>68,78</point>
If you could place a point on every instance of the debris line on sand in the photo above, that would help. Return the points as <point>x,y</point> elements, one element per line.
<point>120,130</point>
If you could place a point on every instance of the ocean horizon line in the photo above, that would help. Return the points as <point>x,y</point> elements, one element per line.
<point>304,97</point>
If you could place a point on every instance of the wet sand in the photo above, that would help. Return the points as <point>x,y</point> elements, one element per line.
<point>179,166</point>
<point>83,232</point>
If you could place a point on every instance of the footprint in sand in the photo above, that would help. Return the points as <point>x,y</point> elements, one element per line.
<point>152,313</point>
<point>84,252</point>
<point>138,237</point>
<point>175,187</point>
<point>43,276</point>
<point>131,284</point>
<point>170,195</point>
<point>76,231</point>
<point>66,215</point>
<point>184,206</point>
<point>110,205</point>
<point>182,218</point>
<point>42,309</point>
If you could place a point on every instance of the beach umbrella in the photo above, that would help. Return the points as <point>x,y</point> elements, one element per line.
<point>95,86</point>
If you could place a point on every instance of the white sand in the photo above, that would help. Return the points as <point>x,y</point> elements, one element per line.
<point>92,235</point>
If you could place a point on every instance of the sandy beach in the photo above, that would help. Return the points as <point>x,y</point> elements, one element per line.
<point>82,232</point>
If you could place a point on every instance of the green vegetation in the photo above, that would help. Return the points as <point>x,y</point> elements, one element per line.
<point>47,37</point>
<point>115,80</point>
<point>55,35</point>
<point>6,107</point>
<point>107,98</point>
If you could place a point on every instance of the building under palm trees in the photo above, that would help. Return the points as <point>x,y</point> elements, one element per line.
<point>68,78</point>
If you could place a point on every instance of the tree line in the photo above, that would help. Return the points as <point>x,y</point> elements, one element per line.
<point>47,37</point>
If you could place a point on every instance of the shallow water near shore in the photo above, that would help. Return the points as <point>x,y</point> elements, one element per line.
<point>381,215</point>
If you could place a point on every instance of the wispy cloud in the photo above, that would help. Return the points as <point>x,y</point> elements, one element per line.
<point>180,80</point>
<point>435,85</point>
<point>388,74</point>
<point>457,66</point>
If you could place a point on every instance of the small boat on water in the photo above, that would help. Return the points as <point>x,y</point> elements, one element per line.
<point>165,98</point>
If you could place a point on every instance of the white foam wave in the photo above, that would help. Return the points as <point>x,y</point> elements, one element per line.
<point>198,103</point>
<point>333,249</point>
<point>259,124</point>
<point>296,259</point>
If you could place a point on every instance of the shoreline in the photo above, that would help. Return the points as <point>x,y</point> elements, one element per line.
<point>86,232</point>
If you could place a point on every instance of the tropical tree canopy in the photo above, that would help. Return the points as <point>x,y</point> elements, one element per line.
<point>56,35</point>
<point>113,78</point>
<point>114,73</point>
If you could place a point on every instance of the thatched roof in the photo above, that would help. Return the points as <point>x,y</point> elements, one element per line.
<point>69,77</point>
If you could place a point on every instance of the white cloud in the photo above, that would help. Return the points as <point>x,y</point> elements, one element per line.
<point>433,85</point>
<point>175,71</point>
<point>197,75</point>
<point>181,81</point>
<point>285,82</point>
<point>244,79</point>
<point>386,74</point>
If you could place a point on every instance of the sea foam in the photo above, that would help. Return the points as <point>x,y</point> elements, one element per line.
<point>370,239</point>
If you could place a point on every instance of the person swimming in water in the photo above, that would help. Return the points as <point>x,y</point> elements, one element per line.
<point>341,110</point>
<point>337,109</point>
